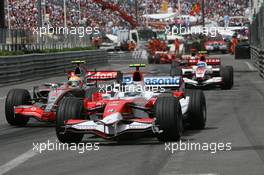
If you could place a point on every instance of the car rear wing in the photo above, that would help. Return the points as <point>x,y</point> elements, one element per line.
<point>210,61</point>
<point>78,62</point>
<point>92,76</point>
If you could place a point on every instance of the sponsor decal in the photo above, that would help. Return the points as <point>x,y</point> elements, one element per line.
<point>160,81</point>
<point>139,126</point>
<point>101,75</point>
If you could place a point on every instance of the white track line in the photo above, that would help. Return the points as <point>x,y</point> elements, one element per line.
<point>17,161</point>
<point>200,174</point>
<point>2,98</point>
<point>250,66</point>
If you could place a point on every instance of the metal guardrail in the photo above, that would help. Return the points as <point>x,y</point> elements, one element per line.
<point>126,57</point>
<point>26,40</point>
<point>14,69</point>
<point>257,56</point>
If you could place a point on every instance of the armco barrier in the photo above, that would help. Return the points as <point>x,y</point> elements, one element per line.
<point>257,56</point>
<point>15,69</point>
<point>125,57</point>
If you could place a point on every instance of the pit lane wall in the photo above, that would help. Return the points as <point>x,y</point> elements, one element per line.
<point>16,69</point>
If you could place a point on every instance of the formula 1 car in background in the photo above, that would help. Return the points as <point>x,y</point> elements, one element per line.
<point>216,44</point>
<point>20,105</point>
<point>161,57</point>
<point>128,112</point>
<point>204,71</point>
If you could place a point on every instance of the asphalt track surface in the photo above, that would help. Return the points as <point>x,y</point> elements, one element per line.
<point>234,116</point>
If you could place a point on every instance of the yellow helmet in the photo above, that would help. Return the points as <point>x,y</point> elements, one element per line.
<point>74,81</point>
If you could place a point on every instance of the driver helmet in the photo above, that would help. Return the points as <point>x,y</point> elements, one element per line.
<point>75,81</point>
<point>201,64</point>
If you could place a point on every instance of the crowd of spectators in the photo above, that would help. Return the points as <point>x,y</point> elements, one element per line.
<point>23,14</point>
<point>217,10</point>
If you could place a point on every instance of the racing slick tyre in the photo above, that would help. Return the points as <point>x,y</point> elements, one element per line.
<point>224,51</point>
<point>150,59</point>
<point>69,108</point>
<point>157,59</point>
<point>16,97</point>
<point>175,69</point>
<point>196,109</point>
<point>231,69</point>
<point>89,92</point>
<point>168,118</point>
<point>227,74</point>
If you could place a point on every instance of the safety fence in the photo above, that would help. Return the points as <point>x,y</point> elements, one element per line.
<point>126,57</point>
<point>257,41</point>
<point>16,69</point>
<point>257,56</point>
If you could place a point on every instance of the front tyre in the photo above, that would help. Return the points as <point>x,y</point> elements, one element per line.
<point>197,112</point>
<point>69,108</point>
<point>16,97</point>
<point>168,118</point>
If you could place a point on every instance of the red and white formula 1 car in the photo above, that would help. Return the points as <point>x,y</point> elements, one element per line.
<point>133,112</point>
<point>214,44</point>
<point>162,57</point>
<point>203,72</point>
<point>20,105</point>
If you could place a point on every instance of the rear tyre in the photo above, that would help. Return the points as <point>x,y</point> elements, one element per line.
<point>224,52</point>
<point>197,109</point>
<point>231,70</point>
<point>157,59</point>
<point>227,74</point>
<point>150,59</point>
<point>69,108</point>
<point>168,118</point>
<point>16,97</point>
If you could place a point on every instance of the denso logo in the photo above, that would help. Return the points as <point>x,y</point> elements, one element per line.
<point>200,70</point>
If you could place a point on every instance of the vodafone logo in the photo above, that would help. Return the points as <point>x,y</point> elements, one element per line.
<point>101,75</point>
